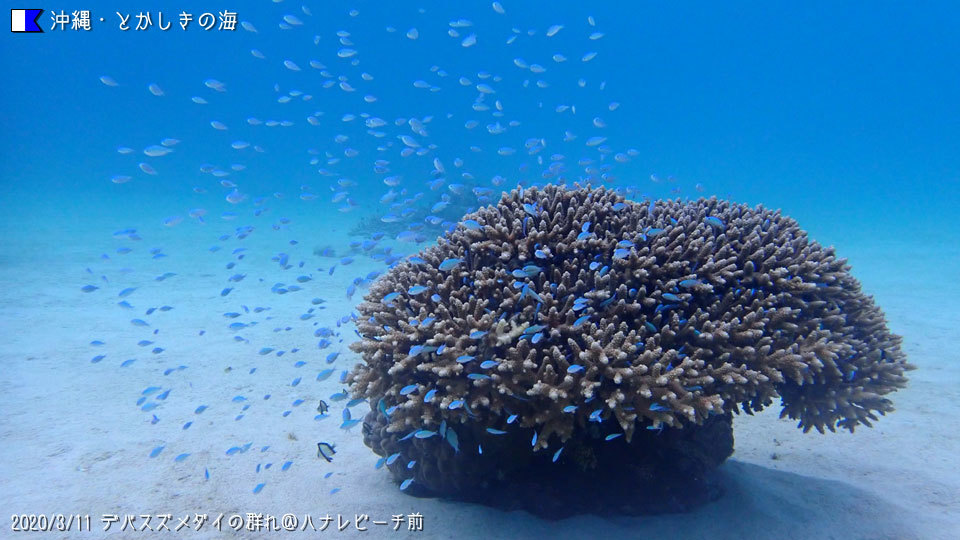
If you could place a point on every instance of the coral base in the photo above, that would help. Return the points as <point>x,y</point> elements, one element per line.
<point>657,472</point>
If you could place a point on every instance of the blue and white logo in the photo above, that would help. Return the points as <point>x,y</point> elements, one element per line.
<point>25,20</point>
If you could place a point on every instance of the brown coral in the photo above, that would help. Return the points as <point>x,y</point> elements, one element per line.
<point>586,315</point>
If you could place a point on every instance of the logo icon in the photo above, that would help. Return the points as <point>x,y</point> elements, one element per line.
<point>25,20</point>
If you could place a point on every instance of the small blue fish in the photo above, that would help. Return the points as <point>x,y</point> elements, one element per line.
<point>577,323</point>
<point>392,457</point>
<point>612,436</point>
<point>487,364</point>
<point>670,297</point>
<point>181,457</point>
<point>416,289</point>
<point>391,296</point>
<point>382,407</point>
<point>477,334</point>
<point>575,368</point>
<point>531,270</point>
<point>570,408</point>
<point>406,483</point>
<point>464,358</point>
<point>714,222</point>
<point>478,376</point>
<point>534,328</point>
<point>511,419</point>
<point>200,409</point>
<point>448,264</point>
<point>325,374</point>
<point>557,455</point>
<point>493,431</point>
<point>258,488</point>
<point>621,253</point>
<point>350,423</point>
<point>452,440</point>
<point>408,389</point>
<point>429,395</point>
<point>156,451</point>
<point>471,224</point>
<point>527,291</point>
<point>456,404</point>
<point>424,434</point>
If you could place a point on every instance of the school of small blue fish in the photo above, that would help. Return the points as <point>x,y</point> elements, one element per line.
<point>481,124</point>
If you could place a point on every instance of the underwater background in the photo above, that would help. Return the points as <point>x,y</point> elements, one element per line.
<point>190,218</point>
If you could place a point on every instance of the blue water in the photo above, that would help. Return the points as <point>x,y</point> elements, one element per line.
<point>845,116</point>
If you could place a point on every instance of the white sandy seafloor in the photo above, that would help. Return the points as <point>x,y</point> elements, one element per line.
<point>73,440</point>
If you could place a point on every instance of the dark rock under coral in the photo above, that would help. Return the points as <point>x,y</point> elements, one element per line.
<point>568,345</point>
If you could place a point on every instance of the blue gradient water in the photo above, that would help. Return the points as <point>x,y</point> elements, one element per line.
<point>845,116</point>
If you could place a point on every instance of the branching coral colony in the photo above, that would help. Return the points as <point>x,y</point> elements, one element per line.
<point>569,345</point>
